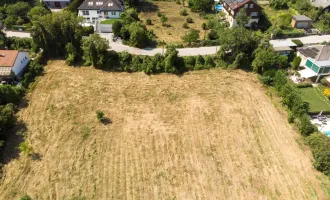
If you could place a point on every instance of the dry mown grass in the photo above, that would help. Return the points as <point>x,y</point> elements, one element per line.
<point>172,10</point>
<point>206,135</point>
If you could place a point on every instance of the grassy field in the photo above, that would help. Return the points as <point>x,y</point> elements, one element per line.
<point>170,34</point>
<point>204,135</point>
<point>317,101</point>
<point>273,15</point>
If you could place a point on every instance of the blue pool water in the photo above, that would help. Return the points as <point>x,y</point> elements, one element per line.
<point>327,133</point>
<point>219,7</point>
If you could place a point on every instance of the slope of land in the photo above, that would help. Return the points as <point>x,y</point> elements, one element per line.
<point>205,135</point>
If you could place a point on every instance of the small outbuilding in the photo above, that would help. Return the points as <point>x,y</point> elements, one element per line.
<point>301,21</point>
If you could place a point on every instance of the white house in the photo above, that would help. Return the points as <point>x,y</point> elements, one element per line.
<point>97,10</point>
<point>12,63</point>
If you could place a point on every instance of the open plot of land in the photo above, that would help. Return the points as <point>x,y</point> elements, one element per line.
<point>174,32</point>
<point>205,135</point>
<point>273,15</point>
<point>316,100</point>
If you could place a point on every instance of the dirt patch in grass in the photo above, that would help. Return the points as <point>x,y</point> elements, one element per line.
<point>205,135</point>
<point>172,33</point>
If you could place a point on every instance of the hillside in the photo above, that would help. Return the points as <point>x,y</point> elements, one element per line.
<point>205,135</point>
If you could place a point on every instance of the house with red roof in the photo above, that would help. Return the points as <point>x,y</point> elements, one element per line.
<point>232,7</point>
<point>12,63</point>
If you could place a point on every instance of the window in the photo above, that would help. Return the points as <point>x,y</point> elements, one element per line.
<point>246,5</point>
<point>110,4</point>
<point>90,3</point>
<point>99,3</point>
<point>98,12</point>
<point>251,5</point>
<point>85,12</point>
<point>113,13</point>
<point>254,14</point>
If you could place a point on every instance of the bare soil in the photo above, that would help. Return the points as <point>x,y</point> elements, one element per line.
<point>205,135</point>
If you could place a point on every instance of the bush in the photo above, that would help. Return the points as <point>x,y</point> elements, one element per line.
<point>298,43</point>
<point>304,85</point>
<point>212,35</point>
<point>185,25</point>
<point>19,43</point>
<point>184,12</point>
<point>163,19</point>
<point>34,69</point>
<point>189,20</point>
<point>116,28</point>
<point>296,63</point>
<point>26,197</point>
<point>159,14</point>
<point>148,21</point>
<point>99,115</point>
<point>199,63</point>
<point>88,30</point>
<point>189,62</point>
<point>304,125</point>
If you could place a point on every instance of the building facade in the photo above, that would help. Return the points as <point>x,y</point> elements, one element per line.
<point>97,10</point>
<point>232,7</point>
<point>301,21</point>
<point>56,4</point>
<point>13,63</point>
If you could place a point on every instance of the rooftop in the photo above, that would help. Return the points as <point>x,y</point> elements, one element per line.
<point>282,43</point>
<point>234,4</point>
<point>318,52</point>
<point>321,3</point>
<point>302,18</point>
<point>8,58</point>
<point>110,5</point>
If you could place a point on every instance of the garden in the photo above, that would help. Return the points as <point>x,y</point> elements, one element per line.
<point>316,99</point>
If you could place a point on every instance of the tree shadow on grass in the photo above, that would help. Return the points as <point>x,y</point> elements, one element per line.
<point>147,7</point>
<point>12,140</point>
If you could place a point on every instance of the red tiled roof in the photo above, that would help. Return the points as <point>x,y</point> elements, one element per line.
<point>8,58</point>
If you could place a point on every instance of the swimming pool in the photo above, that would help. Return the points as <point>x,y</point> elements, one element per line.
<point>327,133</point>
<point>219,7</point>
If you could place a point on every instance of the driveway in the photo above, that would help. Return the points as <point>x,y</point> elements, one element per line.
<point>17,34</point>
<point>306,40</point>
<point>119,47</point>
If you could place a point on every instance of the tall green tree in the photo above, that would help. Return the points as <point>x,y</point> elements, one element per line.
<point>264,58</point>
<point>242,18</point>
<point>95,49</point>
<point>191,37</point>
<point>201,5</point>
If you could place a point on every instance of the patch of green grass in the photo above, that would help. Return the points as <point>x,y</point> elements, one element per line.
<point>316,100</point>
<point>108,21</point>
<point>85,132</point>
<point>273,14</point>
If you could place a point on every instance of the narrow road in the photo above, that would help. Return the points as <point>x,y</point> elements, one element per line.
<point>306,40</point>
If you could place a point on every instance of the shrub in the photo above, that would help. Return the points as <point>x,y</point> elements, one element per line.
<point>212,35</point>
<point>209,63</point>
<point>34,69</point>
<point>184,12</point>
<point>185,25</point>
<point>304,85</point>
<point>25,148</point>
<point>199,63</point>
<point>99,115</point>
<point>298,43</point>
<point>189,62</point>
<point>304,125</point>
<point>26,197</point>
<point>163,19</point>
<point>159,14</point>
<point>116,28</point>
<point>189,20</point>
<point>148,21</point>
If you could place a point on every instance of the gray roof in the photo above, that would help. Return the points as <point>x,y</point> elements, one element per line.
<point>282,48</point>
<point>319,53</point>
<point>282,43</point>
<point>106,5</point>
<point>321,3</point>
<point>302,18</point>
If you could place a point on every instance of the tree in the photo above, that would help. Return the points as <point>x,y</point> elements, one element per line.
<point>116,28</point>
<point>201,5</point>
<point>204,27</point>
<point>163,19</point>
<point>324,23</point>
<point>10,94</point>
<point>95,48</point>
<point>71,54</point>
<point>242,18</point>
<point>7,118</point>
<point>74,5</point>
<point>191,36</point>
<point>138,35</point>
<point>264,58</point>
<point>284,21</point>
<point>163,44</point>
<point>19,9</point>
<point>36,12</point>
<point>278,4</point>
<point>296,62</point>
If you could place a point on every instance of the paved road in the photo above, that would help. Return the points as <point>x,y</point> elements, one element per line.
<point>119,47</point>
<point>18,34</point>
<point>306,40</point>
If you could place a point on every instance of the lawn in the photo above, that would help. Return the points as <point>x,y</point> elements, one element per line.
<point>174,31</point>
<point>273,15</point>
<point>317,101</point>
<point>203,135</point>
<point>108,21</point>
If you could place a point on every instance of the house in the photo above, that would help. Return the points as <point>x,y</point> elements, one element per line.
<point>12,63</point>
<point>56,4</point>
<point>316,59</point>
<point>98,10</point>
<point>301,21</point>
<point>232,7</point>
<point>325,4</point>
<point>283,51</point>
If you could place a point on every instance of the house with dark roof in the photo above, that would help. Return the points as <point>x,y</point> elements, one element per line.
<point>316,59</point>
<point>301,21</point>
<point>56,4</point>
<point>12,63</point>
<point>232,7</point>
<point>98,10</point>
<point>325,4</point>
